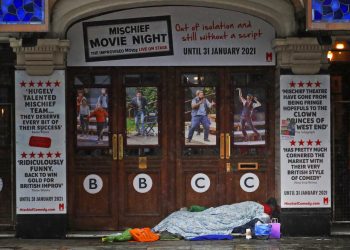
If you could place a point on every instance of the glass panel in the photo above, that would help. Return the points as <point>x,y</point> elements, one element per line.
<point>102,79</point>
<point>143,151</point>
<point>5,129</point>
<point>331,10</point>
<point>249,116</point>
<point>93,152</point>
<point>200,151</point>
<point>142,116</point>
<point>92,117</point>
<point>200,116</point>
<point>190,79</point>
<point>211,79</point>
<point>4,95</point>
<point>6,73</point>
<point>82,80</point>
<point>205,79</point>
<point>341,139</point>
<point>131,79</point>
<point>150,78</point>
<point>22,12</point>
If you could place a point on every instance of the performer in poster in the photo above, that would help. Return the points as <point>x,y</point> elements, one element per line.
<point>103,99</point>
<point>200,106</point>
<point>84,112</point>
<point>249,104</point>
<point>101,117</point>
<point>80,97</point>
<point>139,103</point>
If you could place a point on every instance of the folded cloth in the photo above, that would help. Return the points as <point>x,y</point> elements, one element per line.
<point>143,234</point>
<point>213,237</point>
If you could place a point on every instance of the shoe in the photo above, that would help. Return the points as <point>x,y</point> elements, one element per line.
<point>137,134</point>
<point>206,140</point>
<point>188,140</point>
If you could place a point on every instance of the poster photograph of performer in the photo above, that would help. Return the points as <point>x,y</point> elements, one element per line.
<point>249,117</point>
<point>92,117</point>
<point>200,116</point>
<point>142,115</point>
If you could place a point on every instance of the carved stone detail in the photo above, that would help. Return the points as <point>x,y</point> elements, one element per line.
<point>304,56</point>
<point>42,59</point>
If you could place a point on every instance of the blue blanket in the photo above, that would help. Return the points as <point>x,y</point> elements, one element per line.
<point>218,220</point>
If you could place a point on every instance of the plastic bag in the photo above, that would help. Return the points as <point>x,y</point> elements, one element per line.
<point>110,238</point>
<point>262,231</point>
<point>275,229</point>
<point>124,236</point>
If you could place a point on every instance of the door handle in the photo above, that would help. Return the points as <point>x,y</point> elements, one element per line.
<point>114,147</point>
<point>228,146</point>
<point>222,146</point>
<point>121,147</point>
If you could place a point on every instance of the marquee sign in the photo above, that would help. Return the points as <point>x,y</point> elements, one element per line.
<point>171,36</point>
<point>128,38</point>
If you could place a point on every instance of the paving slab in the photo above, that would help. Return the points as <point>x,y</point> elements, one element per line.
<point>237,243</point>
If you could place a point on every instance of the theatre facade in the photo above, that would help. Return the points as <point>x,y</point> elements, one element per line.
<point>115,114</point>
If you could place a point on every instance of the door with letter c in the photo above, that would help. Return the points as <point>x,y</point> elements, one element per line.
<point>200,176</point>
<point>251,126</point>
<point>224,150</point>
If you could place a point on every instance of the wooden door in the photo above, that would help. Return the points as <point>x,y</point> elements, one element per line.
<point>250,166</point>
<point>143,163</point>
<point>6,166</point>
<point>237,163</point>
<point>341,142</point>
<point>200,176</point>
<point>92,174</point>
<point>116,171</point>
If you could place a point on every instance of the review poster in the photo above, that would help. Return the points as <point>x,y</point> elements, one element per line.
<point>305,133</point>
<point>40,143</point>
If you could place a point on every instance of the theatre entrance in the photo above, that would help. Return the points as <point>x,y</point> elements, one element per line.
<point>6,165</point>
<point>341,141</point>
<point>7,142</point>
<point>146,141</point>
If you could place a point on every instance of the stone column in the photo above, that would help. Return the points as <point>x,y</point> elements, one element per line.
<point>40,71</point>
<point>42,59</point>
<point>299,56</point>
<point>303,56</point>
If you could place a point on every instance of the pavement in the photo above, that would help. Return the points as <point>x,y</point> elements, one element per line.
<point>236,243</point>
